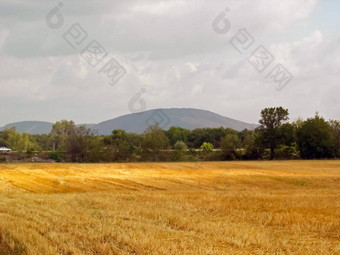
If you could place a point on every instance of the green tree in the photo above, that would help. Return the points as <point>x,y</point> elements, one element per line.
<point>15,141</point>
<point>120,145</point>
<point>335,125</point>
<point>44,141</point>
<point>82,145</point>
<point>229,145</point>
<point>207,147</point>
<point>287,134</point>
<point>28,143</point>
<point>209,135</point>
<point>175,134</point>
<point>118,136</point>
<point>135,142</point>
<point>269,131</point>
<point>180,148</point>
<point>315,139</point>
<point>60,131</point>
<point>248,143</point>
<point>4,138</point>
<point>154,141</point>
<point>180,145</point>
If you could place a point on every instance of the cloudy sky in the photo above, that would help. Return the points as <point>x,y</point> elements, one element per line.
<point>172,54</point>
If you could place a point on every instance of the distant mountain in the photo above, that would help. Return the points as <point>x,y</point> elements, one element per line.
<point>31,127</point>
<point>36,127</point>
<point>138,122</point>
<point>183,117</point>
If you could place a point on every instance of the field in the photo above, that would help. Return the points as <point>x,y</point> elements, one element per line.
<point>288,207</point>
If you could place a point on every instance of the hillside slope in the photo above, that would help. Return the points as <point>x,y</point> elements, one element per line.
<point>184,118</point>
<point>31,127</point>
<point>137,123</point>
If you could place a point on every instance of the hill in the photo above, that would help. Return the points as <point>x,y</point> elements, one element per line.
<point>138,122</point>
<point>182,117</point>
<point>31,127</point>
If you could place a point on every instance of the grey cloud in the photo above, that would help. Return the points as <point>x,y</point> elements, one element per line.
<point>170,49</point>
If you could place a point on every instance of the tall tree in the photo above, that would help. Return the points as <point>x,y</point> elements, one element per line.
<point>229,145</point>
<point>271,121</point>
<point>120,147</point>
<point>335,125</point>
<point>82,145</point>
<point>60,131</point>
<point>155,140</point>
<point>248,143</point>
<point>176,134</point>
<point>315,139</point>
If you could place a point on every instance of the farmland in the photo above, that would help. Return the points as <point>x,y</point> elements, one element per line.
<point>280,207</point>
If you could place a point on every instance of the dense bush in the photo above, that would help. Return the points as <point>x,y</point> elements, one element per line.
<point>58,156</point>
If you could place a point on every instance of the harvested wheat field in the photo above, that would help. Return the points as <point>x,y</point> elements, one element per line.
<point>288,207</point>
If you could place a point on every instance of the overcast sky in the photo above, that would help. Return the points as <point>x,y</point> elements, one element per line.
<point>172,53</point>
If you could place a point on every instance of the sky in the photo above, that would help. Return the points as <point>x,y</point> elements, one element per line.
<point>55,58</point>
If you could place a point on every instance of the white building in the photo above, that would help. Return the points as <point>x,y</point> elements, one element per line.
<point>4,149</point>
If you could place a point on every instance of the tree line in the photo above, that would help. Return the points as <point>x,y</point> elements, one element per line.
<point>275,138</point>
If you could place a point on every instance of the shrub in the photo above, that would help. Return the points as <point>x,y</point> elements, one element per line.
<point>207,147</point>
<point>287,152</point>
<point>180,146</point>
<point>57,156</point>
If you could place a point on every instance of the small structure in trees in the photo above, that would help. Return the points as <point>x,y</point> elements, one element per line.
<point>4,150</point>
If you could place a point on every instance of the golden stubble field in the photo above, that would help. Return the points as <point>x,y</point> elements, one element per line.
<point>288,207</point>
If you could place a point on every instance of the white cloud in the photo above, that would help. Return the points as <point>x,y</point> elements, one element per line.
<point>170,49</point>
